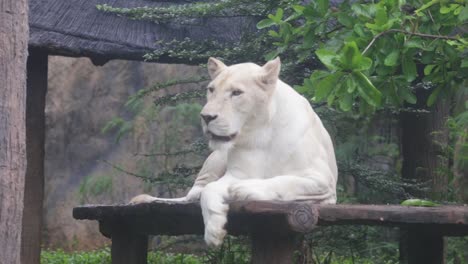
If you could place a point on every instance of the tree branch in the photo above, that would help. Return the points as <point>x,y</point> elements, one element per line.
<point>407,33</point>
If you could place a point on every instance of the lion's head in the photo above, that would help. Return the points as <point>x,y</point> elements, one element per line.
<point>238,99</point>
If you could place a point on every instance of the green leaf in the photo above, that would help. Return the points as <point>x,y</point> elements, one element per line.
<point>419,202</point>
<point>346,20</point>
<point>309,40</point>
<point>359,29</point>
<point>325,86</point>
<point>407,95</point>
<point>350,84</point>
<point>322,6</point>
<point>464,63</point>
<point>352,59</point>
<point>381,16</point>
<point>428,69</point>
<point>392,58</point>
<point>327,57</point>
<point>273,33</point>
<point>317,75</point>
<point>367,90</point>
<point>346,102</point>
<point>409,68</point>
<point>298,8</point>
<point>279,13</point>
<point>265,23</point>
<point>463,14</point>
<point>433,97</point>
<point>272,54</point>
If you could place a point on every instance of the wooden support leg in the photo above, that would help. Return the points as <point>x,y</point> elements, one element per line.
<point>129,248</point>
<point>35,140</point>
<point>271,248</point>
<point>418,245</point>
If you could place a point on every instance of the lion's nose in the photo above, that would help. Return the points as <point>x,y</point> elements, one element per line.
<point>208,118</point>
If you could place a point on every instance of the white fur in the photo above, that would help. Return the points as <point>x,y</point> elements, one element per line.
<point>280,150</point>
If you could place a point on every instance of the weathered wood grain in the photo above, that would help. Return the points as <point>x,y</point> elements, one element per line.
<point>77,28</point>
<point>14,33</point>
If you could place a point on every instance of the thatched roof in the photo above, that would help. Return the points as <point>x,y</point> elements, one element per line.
<point>76,28</point>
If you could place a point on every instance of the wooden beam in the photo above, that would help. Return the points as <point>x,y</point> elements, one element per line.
<point>35,140</point>
<point>185,218</point>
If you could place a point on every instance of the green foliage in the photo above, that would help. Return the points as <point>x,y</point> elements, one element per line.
<point>409,43</point>
<point>103,257</point>
<point>61,257</point>
<point>183,13</point>
<point>94,185</point>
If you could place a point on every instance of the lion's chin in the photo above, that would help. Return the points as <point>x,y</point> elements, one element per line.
<point>218,138</point>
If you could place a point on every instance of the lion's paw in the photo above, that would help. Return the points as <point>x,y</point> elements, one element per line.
<point>142,198</point>
<point>214,236</point>
<point>250,190</point>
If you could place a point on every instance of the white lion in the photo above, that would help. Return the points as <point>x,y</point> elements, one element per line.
<point>267,142</point>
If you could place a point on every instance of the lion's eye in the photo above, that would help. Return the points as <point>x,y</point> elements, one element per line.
<point>236,93</point>
<point>210,89</point>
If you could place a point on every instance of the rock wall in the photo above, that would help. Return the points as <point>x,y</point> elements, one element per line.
<point>80,100</point>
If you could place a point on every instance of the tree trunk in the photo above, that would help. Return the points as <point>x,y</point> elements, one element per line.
<point>14,34</point>
<point>424,141</point>
<point>35,139</point>
<point>424,137</point>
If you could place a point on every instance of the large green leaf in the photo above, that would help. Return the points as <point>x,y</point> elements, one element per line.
<point>367,90</point>
<point>352,59</point>
<point>407,95</point>
<point>433,97</point>
<point>327,57</point>
<point>346,102</point>
<point>409,68</point>
<point>265,23</point>
<point>392,58</point>
<point>322,6</point>
<point>326,85</point>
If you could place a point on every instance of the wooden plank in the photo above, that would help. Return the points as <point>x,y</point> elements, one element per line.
<point>35,140</point>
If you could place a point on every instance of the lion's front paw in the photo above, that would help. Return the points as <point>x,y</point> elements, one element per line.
<point>214,236</point>
<point>250,190</point>
<point>142,198</point>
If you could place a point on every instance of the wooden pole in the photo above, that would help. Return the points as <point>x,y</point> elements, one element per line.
<point>421,245</point>
<point>14,34</point>
<point>35,140</point>
<point>273,248</point>
<point>128,248</point>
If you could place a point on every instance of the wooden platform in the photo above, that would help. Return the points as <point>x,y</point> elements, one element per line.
<point>274,226</point>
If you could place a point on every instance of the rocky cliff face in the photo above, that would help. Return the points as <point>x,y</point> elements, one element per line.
<point>81,99</point>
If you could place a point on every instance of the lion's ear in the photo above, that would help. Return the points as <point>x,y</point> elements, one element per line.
<point>271,71</point>
<point>215,66</point>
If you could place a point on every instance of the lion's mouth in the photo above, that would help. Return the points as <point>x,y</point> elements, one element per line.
<point>213,136</point>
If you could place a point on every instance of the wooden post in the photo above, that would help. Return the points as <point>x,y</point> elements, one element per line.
<point>273,248</point>
<point>128,248</point>
<point>420,245</point>
<point>14,34</point>
<point>35,139</point>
